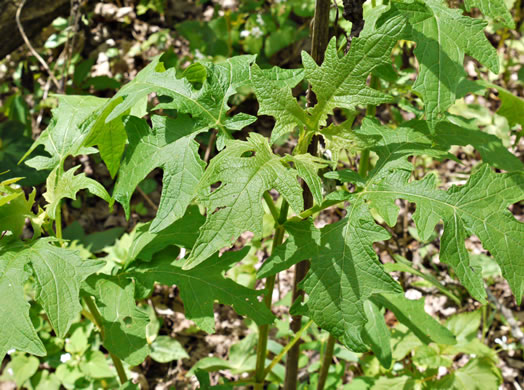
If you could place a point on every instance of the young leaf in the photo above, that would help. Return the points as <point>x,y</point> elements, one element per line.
<point>63,137</point>
<point>170,146</point>
<point>273,90</point>
<point>342,82</point>
<point>495,9</point>
<point>14,207</point>
<point>236,205</point>
<point>479,207</point>
<point>443,36</point>
<point>123,323</point>
<point>202,285</point>
<point>17,330</point>
<point>66,184</point>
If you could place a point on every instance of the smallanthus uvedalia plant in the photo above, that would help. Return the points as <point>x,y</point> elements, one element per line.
<point>206,207</point>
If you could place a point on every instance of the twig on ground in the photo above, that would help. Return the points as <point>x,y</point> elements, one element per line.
<point>30,47</point>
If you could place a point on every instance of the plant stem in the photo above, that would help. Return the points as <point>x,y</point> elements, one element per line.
<point>58,223</point>
<point>319,41</point>
<point>97,319</point>
<point>326,362</point>
<point>263,330</point>
<point>271,205</point>
<point>295,339</point>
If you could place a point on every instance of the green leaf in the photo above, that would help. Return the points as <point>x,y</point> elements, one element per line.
<point>110,137</point>
<point>58,273</point>
<point>66,184</point>
<point>303,242</point>
<point>512,106</point>
<point>495,9</point>
<point>412,314</point>
<point>478,374</point>
<point>307,167</point>
<point>202,285</point>
<point>342,82</point>
<point>342,136</point>
<point>165,349</point>
<point>95,365</point>
<point>236,205</point>
<point>479,207</point>
<point>208,104</point>
<point>170,145</point>
<point>63,137</point>
<point>123,323</point>
<point>22,368</point>
<point>195,73</point>
<point>489,146</point>
<point>376,334</point>
<point>17,330</point>
<point>183,233</point>
<point>443,36</point>
<point>344,273</point>
<point>273,90</point>
<point>14,207</point>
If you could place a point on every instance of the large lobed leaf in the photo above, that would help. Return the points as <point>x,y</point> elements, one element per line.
<point>58,273</point>
<point>202,285</point>
<point>208,104</point>
<point>443,36</point>
<point>245,170</point>
<point>170,145</point>
<point>480,207</point>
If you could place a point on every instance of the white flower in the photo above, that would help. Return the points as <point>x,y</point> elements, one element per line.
<point>256,32</point>
<point>260,21</point>
<point>65,357</point>
<point>245,33</point>
<point>11,351</point>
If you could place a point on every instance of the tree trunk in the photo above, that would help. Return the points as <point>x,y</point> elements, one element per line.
<point>35,16</point>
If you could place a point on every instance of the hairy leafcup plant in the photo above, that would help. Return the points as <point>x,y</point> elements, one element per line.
<point>346,287</point>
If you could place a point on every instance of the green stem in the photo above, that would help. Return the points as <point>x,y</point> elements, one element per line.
<point>290,345</point>
<point>271,205</point>
<point>58,223</point>
<point>326,362</point>
<point>97,317</point>
<point>263,330</point>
